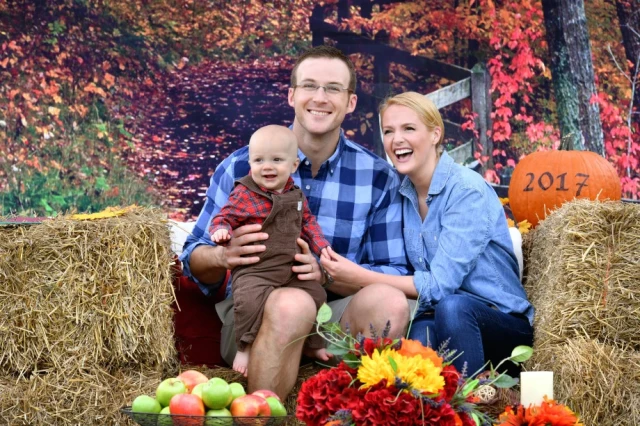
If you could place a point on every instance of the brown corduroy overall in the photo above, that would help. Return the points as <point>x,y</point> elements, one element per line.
<point>252,284</point>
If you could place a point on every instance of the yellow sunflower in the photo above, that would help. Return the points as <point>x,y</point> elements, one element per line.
<point>420,373</point>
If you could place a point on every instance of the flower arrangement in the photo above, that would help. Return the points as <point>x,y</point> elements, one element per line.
<point>548,413</point>
<point>383,381</point>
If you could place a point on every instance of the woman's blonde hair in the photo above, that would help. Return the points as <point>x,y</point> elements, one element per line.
<point>423,106</point>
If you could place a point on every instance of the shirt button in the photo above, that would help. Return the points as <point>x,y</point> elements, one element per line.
<point>308,186</point>
<point>420,260</point>
<point>306,162</point>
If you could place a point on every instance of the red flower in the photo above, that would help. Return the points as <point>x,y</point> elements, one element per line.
<point>322,395</point>
<point>451,379</point>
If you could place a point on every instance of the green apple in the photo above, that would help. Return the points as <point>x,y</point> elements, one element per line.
<point>168,389</point>
<point>198,389</point>
<point>165,419</point>
<point>220,417</point>
<point>237,390</point>
<point>277,409</point>
<point>145,404</point>
<point>216,393</point>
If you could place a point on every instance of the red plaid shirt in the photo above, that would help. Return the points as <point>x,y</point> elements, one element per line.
<point>245,207</point>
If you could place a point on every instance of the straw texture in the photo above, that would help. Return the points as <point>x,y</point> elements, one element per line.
<point>583,278</point>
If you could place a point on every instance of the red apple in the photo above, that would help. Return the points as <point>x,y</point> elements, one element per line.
<point>266,393</point>
<point>186,404</point>
<point>191,378</point>
<point>250,406</point>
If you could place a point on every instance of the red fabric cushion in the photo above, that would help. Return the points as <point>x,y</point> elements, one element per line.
<point>197,326</point>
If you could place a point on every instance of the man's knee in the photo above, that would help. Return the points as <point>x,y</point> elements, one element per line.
<point>454,313</point>
<point>376,305</point>
<point>287,307</point>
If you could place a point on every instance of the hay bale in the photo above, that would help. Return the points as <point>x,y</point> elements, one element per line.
<point>583,273</point>
<point>74,397</point>
<point>86,294</point>
<point>583,278</point>
<point>599,382</point>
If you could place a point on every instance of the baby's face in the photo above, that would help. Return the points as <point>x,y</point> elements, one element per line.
<point>272,161</point>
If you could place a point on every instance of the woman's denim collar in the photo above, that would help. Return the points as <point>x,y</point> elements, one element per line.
<point>438,180</point>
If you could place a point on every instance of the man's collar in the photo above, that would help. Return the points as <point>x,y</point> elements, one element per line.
<point>332,162</point>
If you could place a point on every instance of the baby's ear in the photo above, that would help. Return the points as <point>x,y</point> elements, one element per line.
<point>296,163</point>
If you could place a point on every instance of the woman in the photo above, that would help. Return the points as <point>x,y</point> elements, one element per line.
<point>465,271</point>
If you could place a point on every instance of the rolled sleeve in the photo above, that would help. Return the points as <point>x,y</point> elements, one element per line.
<point>220,187</point>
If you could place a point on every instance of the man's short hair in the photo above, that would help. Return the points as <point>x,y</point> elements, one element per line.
<point>328,52</point>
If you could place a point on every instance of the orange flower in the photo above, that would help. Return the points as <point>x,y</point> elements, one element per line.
<point>411,348</point>
<point>509,418</point>
<point>550,412</point>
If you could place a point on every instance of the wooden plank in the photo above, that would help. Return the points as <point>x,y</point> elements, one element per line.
<point>350,42</point>
<point>451,94</point>
<point>462,153</point>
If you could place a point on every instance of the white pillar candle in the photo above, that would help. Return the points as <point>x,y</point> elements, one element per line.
<point>534,386</point>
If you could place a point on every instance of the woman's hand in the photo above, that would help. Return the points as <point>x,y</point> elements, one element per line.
<point>341,269</point>
<point>309,270</point>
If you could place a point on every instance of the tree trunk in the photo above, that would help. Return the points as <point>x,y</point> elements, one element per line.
<point>573,76</point>
<point>629,17</point>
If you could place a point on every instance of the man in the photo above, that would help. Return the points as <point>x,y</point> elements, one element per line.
<point>354,195</point>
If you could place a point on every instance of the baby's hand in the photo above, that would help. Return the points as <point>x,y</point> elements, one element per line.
<point>221,236</point>
<point>325,253</point>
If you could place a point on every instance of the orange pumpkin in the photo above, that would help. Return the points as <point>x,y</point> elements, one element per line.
<point>544,180</point>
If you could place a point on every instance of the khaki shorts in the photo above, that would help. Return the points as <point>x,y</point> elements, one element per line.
<point>228,336</point>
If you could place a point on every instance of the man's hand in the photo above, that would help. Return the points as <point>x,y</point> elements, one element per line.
<point>241,246</point>
<point>309,270</point>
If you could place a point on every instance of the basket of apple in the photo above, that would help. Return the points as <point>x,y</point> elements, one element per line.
<point>192,399</point>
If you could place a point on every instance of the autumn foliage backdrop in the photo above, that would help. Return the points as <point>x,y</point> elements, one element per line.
<point>119,102</point>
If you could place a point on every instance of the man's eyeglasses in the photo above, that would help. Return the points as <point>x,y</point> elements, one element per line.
<point>329,89</point>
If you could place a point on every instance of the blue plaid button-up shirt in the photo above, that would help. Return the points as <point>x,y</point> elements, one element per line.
<point>355,198</point>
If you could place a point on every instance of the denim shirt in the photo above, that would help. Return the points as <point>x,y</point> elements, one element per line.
<point>463,246</point>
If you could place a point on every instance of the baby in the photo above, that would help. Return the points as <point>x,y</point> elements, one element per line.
<point>268,196</point>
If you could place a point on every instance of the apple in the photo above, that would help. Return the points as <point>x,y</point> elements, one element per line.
<point>168,388</point>
<point>145,404</point>
<point>237,390</point>
<point>250,406</point>
<point>191,378</point>
<point>216,393</point>
<point>165,418</point>
<point>266,393</point>
<point>186,404</point>
<point>197,390</point>
<point>220,417</point>
<point>277,409</point>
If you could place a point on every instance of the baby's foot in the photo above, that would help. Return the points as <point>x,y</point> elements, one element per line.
<point>241,362</point>
<point>319,353</point>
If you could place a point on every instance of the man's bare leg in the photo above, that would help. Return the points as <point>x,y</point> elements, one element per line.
<point>288,318</point>
<point>374,305</point>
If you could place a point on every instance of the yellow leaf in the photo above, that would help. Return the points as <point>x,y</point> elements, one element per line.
<point>54,111</point>
<point>106,213</point>
<point>524,226</point>
<point>510,223</point>
<point>504,201</point>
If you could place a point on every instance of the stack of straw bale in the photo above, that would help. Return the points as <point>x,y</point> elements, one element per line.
<point>86,320</point>
<point>583,278</point>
